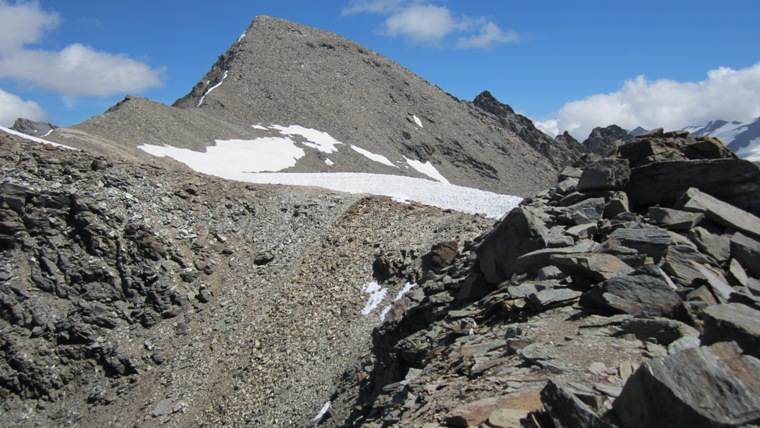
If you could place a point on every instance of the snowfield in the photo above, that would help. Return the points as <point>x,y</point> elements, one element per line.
<point>258,160</point>
<point>35,139</point>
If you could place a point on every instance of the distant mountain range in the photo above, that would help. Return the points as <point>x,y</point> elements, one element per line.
<point>741,137</point>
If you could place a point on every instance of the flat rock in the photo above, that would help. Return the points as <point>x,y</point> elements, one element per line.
<point>733,322</point>
<point>664,331</point>
<point>595,266</point>
<point>709,386</point>
<point>533,261</point>
<point>682,263</point>
<point>717,246</point>
<point>674,219</point>
<point>719,211</point>
<point>652,242</point>
<point>642,293</point>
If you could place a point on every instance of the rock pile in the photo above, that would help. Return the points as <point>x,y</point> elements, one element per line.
<point>628,295</point>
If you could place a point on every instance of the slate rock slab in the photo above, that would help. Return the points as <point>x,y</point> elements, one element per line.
<point>642,293</point>
<point>733,322</point>
<point>568,411</point>
<point>709,386</point>
<point>719,211</point>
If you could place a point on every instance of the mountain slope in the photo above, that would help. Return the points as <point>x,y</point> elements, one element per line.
<point>284,74</point>
<point>741,137</point>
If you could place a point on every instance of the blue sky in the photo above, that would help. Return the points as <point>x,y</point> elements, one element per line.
<point>568,65</point>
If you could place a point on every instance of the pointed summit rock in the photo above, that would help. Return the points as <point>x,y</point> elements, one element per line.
<point>386,119</point>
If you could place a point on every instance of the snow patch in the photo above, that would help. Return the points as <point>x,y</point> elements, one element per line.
<point>376,296</point>
<point>407,287</point>
<point>255,161</point>
<point>426,168</point>
<point>35,139</point>
<point>400,188</point>
<point>329,162</point>
<point>417,121</point>
<point>224,76</point>
<point>373,156</point>
<point>230,156</point>
<point>322,412</point>
<point>241,37</point>
<point>319,140</point>
<point>260,127</point>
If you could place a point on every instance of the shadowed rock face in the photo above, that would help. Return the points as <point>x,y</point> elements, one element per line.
<point>282,73</point>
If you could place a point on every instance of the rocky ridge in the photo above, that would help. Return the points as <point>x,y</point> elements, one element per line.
<point>585,307</point>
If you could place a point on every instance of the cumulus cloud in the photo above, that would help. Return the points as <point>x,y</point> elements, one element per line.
<point>75,70</point>
<point>430,24</point>
<point>663,103</point>
<point>422,24</point>
<point>490,35</point>
<point>12,107</point>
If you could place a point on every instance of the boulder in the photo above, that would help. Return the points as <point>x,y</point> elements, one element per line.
<point>605,174</point>
<point>734,181</point>
<point>520,232</point>
<point>568,411</point>
<point>709,386</point>
<point>682,264</point>
<point>733,322</point>
<point>642,293</point>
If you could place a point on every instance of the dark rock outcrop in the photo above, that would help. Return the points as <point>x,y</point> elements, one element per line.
<point>35,129</point>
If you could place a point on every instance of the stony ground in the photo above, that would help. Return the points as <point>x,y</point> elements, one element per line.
<point>136,294</point>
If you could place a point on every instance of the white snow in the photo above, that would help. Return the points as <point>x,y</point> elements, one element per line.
<point>376,296</point>
<point>428,169</point>
<point>373,156</point>
<point>319,140</point>
<point>260,127</point>
<point>224,76</point>
<point>752,151</point>
<point>241,37</point>
<point>442,195</point>
<point>231,158</point>
<point>256,161</point>
<point>329,162</point>
<point>417,121</point>
<point>729,131</point>
<point>35,139</point>
<point>407,287</point>
<point>322,412</point>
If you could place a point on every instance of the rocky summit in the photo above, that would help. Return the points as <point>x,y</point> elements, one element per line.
<point>138,292</point>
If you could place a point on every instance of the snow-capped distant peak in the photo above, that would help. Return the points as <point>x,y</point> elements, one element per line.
<point>740,137</point>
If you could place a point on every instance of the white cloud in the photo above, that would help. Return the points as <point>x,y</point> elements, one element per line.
<point>430,24</point>
<point>490,35</point>
<point>372,6</point>
<point>76,70</point>
<point>12,107</point>
<point>422,24</point>
<point>23,23</point>
<point>663,103</point>
<point>79,70</point>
